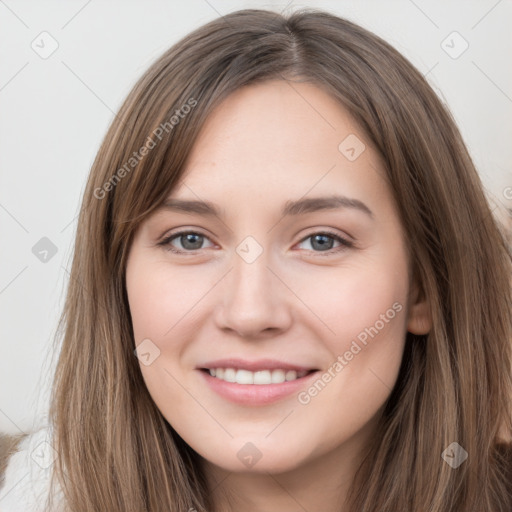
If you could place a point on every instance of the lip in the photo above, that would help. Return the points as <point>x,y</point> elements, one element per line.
<point>255,394</point>
<point>253,366</point>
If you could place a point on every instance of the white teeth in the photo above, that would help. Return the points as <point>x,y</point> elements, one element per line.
<point>244,377</point>
<point>229,375</point>
<point>291,375</point>
<point>260,377</point>
<point>278,376</point>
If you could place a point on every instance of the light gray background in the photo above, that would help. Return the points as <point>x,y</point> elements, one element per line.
<point>55,111</point>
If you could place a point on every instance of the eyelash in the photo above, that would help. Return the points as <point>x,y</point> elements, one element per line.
<point>345,244</point>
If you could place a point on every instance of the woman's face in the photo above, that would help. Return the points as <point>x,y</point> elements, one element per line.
<point>301,275</point>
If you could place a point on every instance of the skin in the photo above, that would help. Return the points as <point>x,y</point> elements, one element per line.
<point>265,145</point>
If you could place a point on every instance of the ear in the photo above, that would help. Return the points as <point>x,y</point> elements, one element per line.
<point>419,319</point>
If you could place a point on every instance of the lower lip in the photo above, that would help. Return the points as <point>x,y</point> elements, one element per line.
<point>255,394</point>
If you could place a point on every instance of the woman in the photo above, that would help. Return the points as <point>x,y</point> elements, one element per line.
<point>253,372</point>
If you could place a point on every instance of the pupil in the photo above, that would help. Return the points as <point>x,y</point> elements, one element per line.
<point>190,238</point>
<point>323,245</point>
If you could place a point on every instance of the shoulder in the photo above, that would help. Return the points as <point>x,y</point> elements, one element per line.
<point>26,481</point>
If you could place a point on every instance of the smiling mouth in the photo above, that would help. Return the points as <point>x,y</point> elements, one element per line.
<point>260,377</point>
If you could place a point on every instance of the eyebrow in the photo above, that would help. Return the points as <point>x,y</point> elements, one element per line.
<point>291,208</point>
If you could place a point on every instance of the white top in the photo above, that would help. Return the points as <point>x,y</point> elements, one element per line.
<point>27,477</point>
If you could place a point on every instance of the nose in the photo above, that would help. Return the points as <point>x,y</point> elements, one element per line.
<point>255,300</point>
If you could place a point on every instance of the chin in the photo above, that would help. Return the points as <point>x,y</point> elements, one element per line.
<point>256,457</point>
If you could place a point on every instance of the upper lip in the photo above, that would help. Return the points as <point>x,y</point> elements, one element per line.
<point>260,364</point>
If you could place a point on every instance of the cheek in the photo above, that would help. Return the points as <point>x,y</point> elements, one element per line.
<point>363,310</point>
<point>366,353</point>
<point>159,300</point>
<point>369,334</point>
<point>351,299</point>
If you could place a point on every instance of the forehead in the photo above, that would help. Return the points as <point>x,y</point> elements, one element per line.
<point>280,141</point>
<point>263,120</point>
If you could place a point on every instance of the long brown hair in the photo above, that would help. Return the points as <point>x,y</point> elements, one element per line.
<point>115,450</point>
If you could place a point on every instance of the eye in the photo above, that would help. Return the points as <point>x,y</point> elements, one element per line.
<point>189,240</point>
<point>324,241</point>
